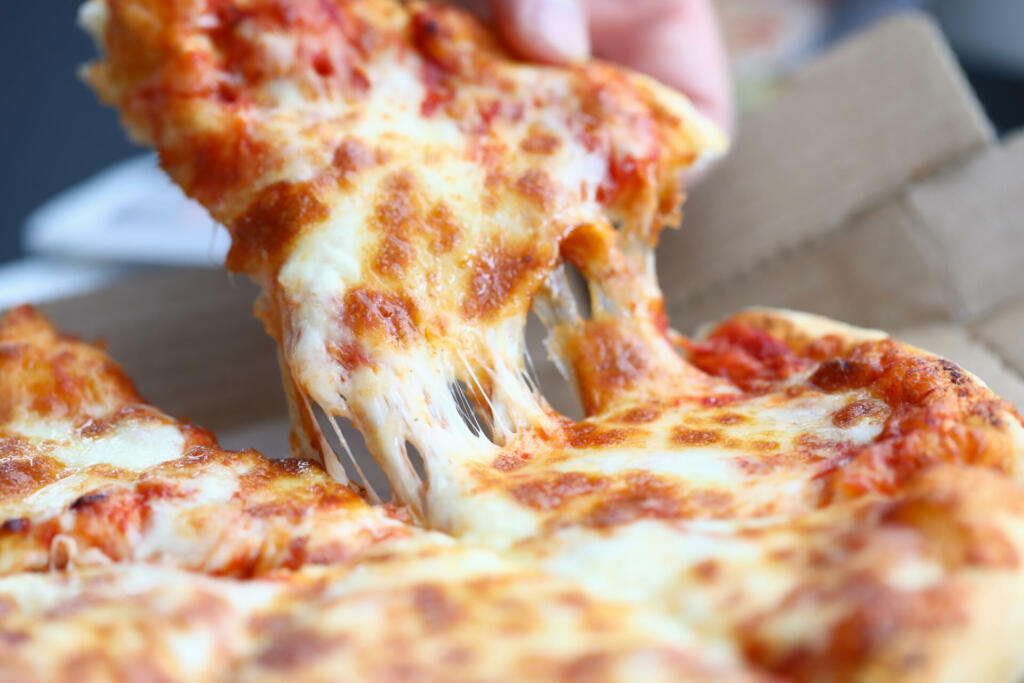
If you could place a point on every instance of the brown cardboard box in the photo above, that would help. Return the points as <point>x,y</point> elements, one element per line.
<point>871,190</point>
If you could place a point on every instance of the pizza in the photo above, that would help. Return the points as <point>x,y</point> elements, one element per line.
<point>433,619</point>
<point>830,503</point>
<point>401,190</point>
<point>849,511</point>
<point>92,474</point>
<point>133,547</point>
<point>136,622</point>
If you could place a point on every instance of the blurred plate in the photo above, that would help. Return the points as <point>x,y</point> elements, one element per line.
<point>128,213</point>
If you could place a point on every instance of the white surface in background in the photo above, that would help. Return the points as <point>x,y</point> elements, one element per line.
<point>105,227</point>
<point>128,213</point>
<point>38,279</point>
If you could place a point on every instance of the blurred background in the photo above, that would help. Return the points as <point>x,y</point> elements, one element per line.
<point>56,136</point>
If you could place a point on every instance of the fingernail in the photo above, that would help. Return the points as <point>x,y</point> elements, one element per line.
<point>560,28</point>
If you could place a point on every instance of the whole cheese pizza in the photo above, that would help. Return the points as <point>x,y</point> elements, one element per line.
<point>780,496</point>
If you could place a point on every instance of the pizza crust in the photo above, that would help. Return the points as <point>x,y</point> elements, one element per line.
<point>796,328</point>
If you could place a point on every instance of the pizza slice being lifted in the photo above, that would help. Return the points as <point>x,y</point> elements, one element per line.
<point>404,192</point>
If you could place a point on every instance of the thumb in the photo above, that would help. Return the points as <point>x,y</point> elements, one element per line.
<point>553,31</point>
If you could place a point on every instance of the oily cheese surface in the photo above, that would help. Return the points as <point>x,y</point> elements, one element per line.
<point>882,588</point>
<point>889,528</point>
<point>211,565</point>
<point>804,413</point>
<point>833,503</point>
<point>886,584</point>
<point>450,613</point>
<point>91,473</point>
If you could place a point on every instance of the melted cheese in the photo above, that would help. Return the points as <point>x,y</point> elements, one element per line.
<point>405,196</point>
<point>131,445</point>
<point>448,605</point>
<point>103,477</point>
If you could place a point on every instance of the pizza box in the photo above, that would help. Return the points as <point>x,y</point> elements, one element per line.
<point>871,189</point>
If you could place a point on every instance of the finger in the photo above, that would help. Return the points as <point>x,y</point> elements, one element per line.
<point>675,41</point>
<point>552,31</point>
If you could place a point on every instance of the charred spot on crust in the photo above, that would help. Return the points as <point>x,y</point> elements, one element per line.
<point>590,435</point>
<point>510,462</point>
<point>539,141</point>
<point>351,157</point>
<point>647,496</point>
<point>840,374</point>
<point>695,437</point>
<point>641,415</point>
<point>393,255</point>
<point>537,186</point>
<point>19,475</point>
<point>295,649</point>
<point>397,217</point>
<point>496,275</point>
<point>212,165</point>
<point>992,412</point>
<point>89,500</point>
<point>15,525</point>
<point>392,317</point>
<point>444,230</point>
<point>607,360</point>
<point>556,489</point>
<point>856,411</point>
<point>954,372</point>
<point>262,234</point>
<point>435,608</point>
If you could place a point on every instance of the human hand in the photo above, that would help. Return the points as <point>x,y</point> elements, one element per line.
<point>675,41</point>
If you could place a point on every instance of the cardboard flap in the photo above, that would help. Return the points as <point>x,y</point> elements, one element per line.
<point>1003,333</point>
<point>871,272</point>
<point>884,108</point>
<point>974,216</point>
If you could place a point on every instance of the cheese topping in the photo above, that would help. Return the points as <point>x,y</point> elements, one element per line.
<point>131,445</point>
<point>405,193</point>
